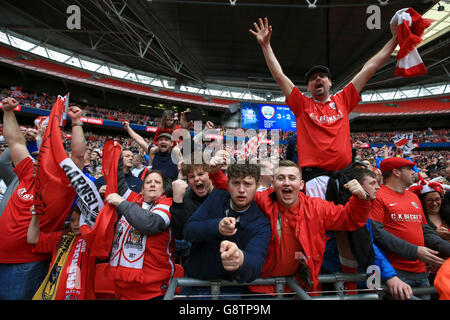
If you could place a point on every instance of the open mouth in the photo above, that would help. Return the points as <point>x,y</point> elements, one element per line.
<point>200,187</point>
<point>319,86</point>
<point>287,193</point>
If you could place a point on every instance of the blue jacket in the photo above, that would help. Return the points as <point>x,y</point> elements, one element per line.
<point>163,162</point>
<point>202,230</point>
<point>332,264</point>
<point>291,150</point>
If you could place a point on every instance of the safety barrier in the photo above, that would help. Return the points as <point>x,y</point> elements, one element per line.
<point>299,293</point>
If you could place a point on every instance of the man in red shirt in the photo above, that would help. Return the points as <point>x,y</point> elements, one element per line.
<point>323,128</point>
<point>400,226</point>
<point>322,121</point>
<point>22,270</point>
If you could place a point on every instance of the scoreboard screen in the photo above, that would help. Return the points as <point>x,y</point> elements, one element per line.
<point>267,116</point>
<point>276,117</point>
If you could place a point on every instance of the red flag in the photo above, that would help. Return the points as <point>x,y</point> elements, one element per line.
<point>54,194</point>
<point>252,145</point>
<point>401,142</point>
<point>100,237</point>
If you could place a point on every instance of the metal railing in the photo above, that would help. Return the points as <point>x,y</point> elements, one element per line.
<point>298,292</point>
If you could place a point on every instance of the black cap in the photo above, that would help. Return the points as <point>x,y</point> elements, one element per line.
<point>314,69</point>
<point>165,134</point>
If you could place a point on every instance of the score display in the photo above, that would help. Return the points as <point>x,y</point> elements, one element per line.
<point>267,116</point>
<point>276,117</point>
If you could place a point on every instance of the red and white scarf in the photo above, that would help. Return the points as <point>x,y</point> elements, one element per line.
<point>129,245</point>
<point>411,27</point>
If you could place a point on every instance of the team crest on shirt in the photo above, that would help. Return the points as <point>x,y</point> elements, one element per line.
<point>414,205</point>
<point>332,105</point>
<point>134,240</point>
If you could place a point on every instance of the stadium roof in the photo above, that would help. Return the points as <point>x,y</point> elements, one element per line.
<point>206,44</point>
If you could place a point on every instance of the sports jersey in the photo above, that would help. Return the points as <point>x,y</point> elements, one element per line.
<point>16,218</point>
<point>402,215</point>
<point>323,129</point>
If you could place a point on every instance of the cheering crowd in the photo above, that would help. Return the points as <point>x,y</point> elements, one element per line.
<point>85,216</point>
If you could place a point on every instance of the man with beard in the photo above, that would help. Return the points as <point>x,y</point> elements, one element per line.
<point>324,145</point>
<point>229,233</point>
<point>133,182</point>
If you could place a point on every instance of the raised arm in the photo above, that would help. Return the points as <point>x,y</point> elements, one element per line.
<point>78,144</point>
<point>377,61</point>
<point>262,33</point>
<point>135,136</point>
<point>11,131</point>
<point>349,217</point>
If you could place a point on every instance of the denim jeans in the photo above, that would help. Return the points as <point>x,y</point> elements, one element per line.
<point>415,283</point>
<point>204,293</point>
<point>19,281</point>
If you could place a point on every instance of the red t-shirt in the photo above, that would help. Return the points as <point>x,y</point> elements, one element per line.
<point>16,218</point>
<point>323,129</point>
<point>402,215</point>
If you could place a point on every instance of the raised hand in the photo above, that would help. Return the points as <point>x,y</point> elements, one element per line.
<point>75,113</point>
<point>9,104</point>
<point>179,188</point>
<point>126,125</point>
<point>262,32</point>
<point>356,189</point>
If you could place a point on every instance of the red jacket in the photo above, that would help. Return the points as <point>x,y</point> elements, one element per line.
<point>313,218</point>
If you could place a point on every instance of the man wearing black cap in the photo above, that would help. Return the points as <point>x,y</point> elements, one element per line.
<point>400,226</point>
<point>323,128</point>
<point>322,120</point>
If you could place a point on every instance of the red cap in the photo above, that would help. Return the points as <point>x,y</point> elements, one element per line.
<point>394,163</point>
